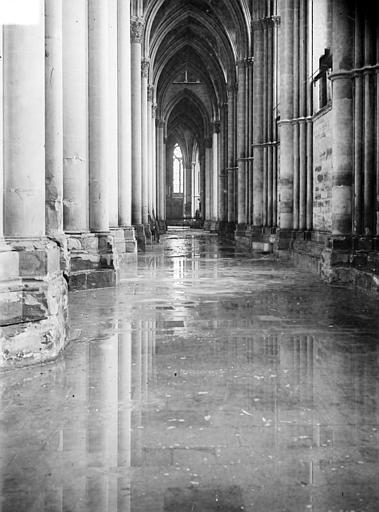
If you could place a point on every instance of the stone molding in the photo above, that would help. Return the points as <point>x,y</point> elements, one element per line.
<point>137,26</point>
<point>145,66</point>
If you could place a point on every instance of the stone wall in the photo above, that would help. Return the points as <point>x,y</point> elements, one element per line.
<point>322,171</point>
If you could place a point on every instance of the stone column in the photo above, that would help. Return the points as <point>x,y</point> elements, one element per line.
<point>150,97</point>
<point>33,293</point>
<point>342,119</point>
<point>265,89</point>
<point>24,130</point>
<point>241,149</point>
<point>75,115</point>
<point>286,112</point>
<point>145,140</point>
<point>161,172</point>
<point>53,118</point>
<point>1,140</point>
<point>98,114</point>
<point>137,27</point>
<point>303,84</point>
<point>231,152</point>
<point>215,171</point>
<point>258,124</point>
<point>369,124</point>
<point>112,171</point>
<point>295,113</point>
<point>124,115</point>
<point>208,180</point>
<point>358,124</point>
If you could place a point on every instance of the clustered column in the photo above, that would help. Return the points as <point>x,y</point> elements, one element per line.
<point>231,157</point>
<point>342,119</point>
<point>296,184</point>
<point>365,99</point>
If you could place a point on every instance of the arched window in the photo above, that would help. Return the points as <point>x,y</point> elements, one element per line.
<point>177,170</point>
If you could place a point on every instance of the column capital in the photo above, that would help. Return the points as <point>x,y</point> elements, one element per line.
<point>145,66</point>
<point>137,26</point>
<point>245,62</point>
<point>150,93</point>
<point>154,110</point>
<point>216,126</point>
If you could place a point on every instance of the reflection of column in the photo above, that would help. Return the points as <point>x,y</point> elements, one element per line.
<point>295,111</point>
<point>124,417</point>
<point>286,112</point>
<point>241,150</point>
<point>98,114</point>
<point>342,119</point>
<point>124,115</point>
<point>24,130</point>
<point>74,438</point>
<point>110,394</point>
<point>215,170</point>
<point>303,84</point>
<point>136,38</point>
<point>154,158</point>
<point>145,140</point>
<point>54,117</point>
<point>112,171</point>
<point>75,115</point>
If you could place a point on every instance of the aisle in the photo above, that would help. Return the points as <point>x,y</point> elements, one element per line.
<point>208,381</point>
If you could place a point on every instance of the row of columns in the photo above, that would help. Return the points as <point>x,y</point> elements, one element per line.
<point>70,79</point>
<point>76,81</point>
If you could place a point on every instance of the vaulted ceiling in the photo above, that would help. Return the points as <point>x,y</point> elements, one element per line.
<point>202,39</point>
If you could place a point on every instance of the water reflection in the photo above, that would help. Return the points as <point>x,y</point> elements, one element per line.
<point>231,394</point>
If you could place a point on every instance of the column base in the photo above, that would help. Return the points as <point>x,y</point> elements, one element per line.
<point>33,302</point>
<point>214,226</point>
<point>207,225</point>
<point>241,237</point>
<point>162,227</point>
<point>140,236</point>
<point>228,230</point>
<point>148,234</point>
<point>93,260</point>
<point>351,260</point>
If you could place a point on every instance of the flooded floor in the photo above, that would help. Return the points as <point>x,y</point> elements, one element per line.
<point>208,381</point>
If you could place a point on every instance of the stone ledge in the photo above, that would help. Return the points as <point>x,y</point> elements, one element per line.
<point>34,321</point>
<point>338,259</point>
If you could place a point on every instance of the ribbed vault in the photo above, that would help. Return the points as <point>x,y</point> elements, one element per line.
<point>193,48</point>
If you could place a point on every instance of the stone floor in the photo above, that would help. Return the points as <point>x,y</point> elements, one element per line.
<point>208,381</point>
